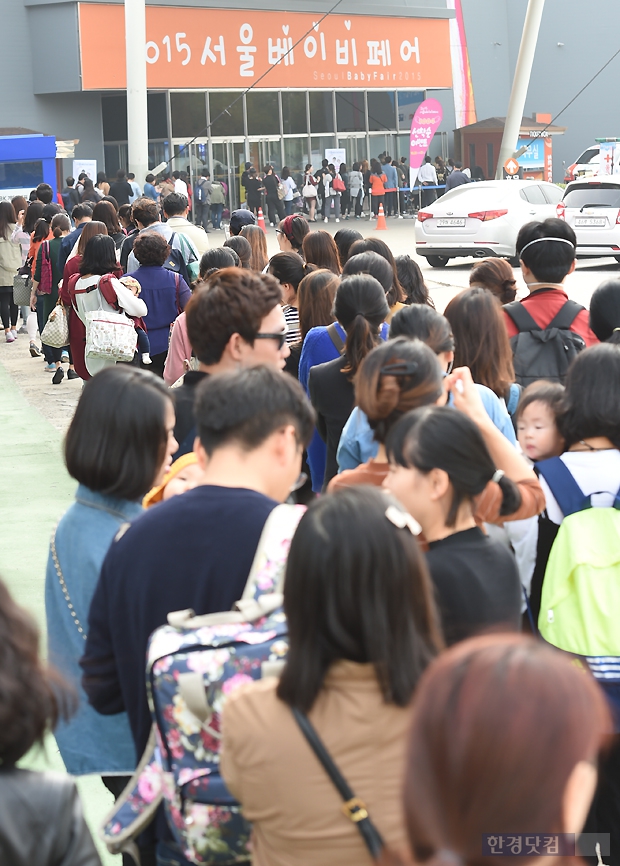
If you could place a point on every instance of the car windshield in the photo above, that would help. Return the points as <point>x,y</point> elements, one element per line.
<point>600,195</point>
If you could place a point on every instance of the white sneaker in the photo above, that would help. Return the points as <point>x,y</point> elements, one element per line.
<point>337,220</point>
<point>146,358</point>
<point>14,332</point>
<point>271,224</point>
<point>325,220</point>
<point>10,338</point>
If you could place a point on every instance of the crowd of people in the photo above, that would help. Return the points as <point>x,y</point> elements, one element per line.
<point>415,516</point>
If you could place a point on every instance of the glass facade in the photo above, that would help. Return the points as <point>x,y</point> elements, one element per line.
<point>291,127</point>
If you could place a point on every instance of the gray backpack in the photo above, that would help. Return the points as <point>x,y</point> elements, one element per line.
<point>544,353</point>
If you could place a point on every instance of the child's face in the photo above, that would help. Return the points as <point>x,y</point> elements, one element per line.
<point>186,479</point>
<point>538,433</point>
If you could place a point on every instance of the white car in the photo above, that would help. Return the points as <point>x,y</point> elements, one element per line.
<point>588,163</point>
<point>591,206</point>
<point>482,219</point>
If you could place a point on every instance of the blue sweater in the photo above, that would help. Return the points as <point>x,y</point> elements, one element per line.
<point>164,303</point>
<point>88,743</point>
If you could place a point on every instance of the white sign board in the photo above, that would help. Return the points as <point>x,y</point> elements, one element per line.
<point>87,165</point>
<point>335,155</point>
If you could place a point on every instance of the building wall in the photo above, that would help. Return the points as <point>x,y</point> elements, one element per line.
<point>65,115</point>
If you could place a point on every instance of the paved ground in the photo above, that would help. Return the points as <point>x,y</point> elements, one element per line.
<point>34,414</point>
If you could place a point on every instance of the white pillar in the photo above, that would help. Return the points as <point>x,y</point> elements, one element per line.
<point>137,116</point>
<point>520,84</point>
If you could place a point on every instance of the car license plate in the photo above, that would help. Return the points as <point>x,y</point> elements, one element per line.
<point>447,223</point>
<point>590,221</point>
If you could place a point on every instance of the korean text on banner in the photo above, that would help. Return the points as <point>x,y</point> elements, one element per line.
<point>229,48</point>
<point>424,125</point>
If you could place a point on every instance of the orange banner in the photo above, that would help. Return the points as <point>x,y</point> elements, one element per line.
<point>213,48</point>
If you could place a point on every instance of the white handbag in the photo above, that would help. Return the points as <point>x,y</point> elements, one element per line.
<point>56,330</point>
<point>309,191</point>
<point>110,336</point>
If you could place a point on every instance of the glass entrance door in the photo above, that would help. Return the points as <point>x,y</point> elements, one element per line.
<point>355,146</point>
<point>227,168</point>
<point>266,151</point>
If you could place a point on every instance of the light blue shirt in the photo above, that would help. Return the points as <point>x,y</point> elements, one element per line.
<point>357,443</point>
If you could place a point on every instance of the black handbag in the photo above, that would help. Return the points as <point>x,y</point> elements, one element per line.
<point>353,807</point>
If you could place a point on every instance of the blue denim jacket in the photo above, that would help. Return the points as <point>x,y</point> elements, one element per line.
<point>89,742</point>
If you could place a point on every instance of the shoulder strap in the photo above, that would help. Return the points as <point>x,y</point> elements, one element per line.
<point>566,316</point>
<point>353,807</point>
<point>568,494</point>
<point>335,337</point>
<point>521,317</point>
<point>177,280</point>
<point>267,571</point>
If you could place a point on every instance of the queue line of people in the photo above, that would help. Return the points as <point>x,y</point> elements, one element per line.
<point>428,523</point>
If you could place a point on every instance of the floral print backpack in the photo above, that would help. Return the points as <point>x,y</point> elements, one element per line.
<point>193,664</point>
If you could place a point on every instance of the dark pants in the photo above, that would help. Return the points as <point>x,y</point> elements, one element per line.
<point>390,203</point>
<point>216,215</point>
<point>604,816</point>
<point>358,201</point>
<point>8,310</point>
<point>201,210</point>
<point>375,201</point>
<point>275,209</point>
<point>428,196</point>
<point>158,363</point>
<point>50,353</point>
<point>345,202</point>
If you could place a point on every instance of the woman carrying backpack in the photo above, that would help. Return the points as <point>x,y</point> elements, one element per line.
<point>362,628</point>
<point>218,199</point>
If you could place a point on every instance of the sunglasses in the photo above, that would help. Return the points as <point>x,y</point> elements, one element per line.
<point>281,337</point>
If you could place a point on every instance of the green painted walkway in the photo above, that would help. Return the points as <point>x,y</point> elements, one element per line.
<point>35,492</point>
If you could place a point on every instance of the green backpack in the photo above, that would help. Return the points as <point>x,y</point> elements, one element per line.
<point>580,605</point>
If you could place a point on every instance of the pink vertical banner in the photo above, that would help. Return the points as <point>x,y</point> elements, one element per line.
<point>424,125</point>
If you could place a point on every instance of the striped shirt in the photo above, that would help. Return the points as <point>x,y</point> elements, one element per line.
<point>291,314</point>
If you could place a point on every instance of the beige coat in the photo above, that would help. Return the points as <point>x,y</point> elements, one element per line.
<point>284,791</point>
<point>196,234</point>
<point>10,258</point>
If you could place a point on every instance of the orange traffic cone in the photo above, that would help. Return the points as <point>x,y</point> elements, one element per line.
<point>261,220</point>
<point>381,224</point>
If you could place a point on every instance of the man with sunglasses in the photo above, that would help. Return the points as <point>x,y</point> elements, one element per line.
<point>234,320</point>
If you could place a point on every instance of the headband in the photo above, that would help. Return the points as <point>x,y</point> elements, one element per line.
<point>400,368</point>
<point>287,224</point>
<point>538,240</point>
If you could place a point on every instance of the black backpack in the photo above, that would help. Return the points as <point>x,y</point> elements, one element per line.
<point>176,263</point>
<point>544,353</point>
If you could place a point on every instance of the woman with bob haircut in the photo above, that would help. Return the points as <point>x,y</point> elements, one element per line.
<point>412,282</point>
<point>497,276</point>
<point>291,232</point>
<point>240,246</point>
<point>74,260</point>
<point>519,765</point>
<point>83,295</point>
<point>482,343</point>
<point>257,240</point>
<point>42,820</point>
<point>289,270</point>
<point>164,293</point>
<point>118,446</point>
<point>319,249</point>
<point>362,628</point>
<point>344,240</point>
<point>360,307</point>
<point>439,467</point>
<point>105,212</point>
<point>396,295</point>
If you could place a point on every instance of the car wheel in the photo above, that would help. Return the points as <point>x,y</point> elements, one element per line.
<point>437,261</point>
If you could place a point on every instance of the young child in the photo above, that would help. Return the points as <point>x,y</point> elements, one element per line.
<point>539,438</point>
<point>537,428</point>
<point>183,475</point>
<point>144,345</point>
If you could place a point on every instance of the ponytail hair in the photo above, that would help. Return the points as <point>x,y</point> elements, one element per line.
<point>443,438</point>
<point>361,308</point>
<point>289,268</point>
<point>395,378</point>
<point>60,224</point>
<point>605,312</point>
<point>41,230</point>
